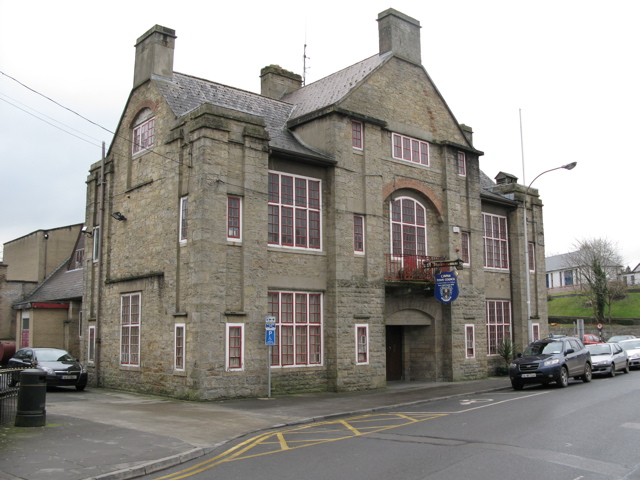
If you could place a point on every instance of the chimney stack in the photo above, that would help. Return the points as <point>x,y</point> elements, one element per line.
<point>400,34</point>
<point>276,82</point>
<point>154,54</point>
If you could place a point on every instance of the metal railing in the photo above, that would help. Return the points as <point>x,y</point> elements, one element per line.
<point>8,395</point>
<point>417,268</point>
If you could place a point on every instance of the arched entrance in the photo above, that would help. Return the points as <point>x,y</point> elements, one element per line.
<point>403,323</point>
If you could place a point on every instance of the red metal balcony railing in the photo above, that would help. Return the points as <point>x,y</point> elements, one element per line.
<point>417,268</point>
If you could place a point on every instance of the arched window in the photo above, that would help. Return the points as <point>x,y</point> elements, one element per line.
<point>143,131</point>
<point>408,228</point>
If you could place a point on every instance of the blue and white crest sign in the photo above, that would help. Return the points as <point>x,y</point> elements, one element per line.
<point>446,286</point>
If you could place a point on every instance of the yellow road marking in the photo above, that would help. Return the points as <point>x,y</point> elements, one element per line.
<point>285,440</point>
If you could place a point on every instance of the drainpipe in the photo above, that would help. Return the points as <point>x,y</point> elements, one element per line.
<point>100,259</point>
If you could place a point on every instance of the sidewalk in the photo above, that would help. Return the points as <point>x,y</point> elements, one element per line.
<point>111,435</point>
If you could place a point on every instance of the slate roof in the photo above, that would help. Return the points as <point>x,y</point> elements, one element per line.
<point>185,93</point>
<point>330,90</point>
<point>62,285</point>
<point>559,262</point>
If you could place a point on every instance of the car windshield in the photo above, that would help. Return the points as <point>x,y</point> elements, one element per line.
<point>543,348</point>
<point>53,355</point>
<point>630,344</point>
<point>599,349</point>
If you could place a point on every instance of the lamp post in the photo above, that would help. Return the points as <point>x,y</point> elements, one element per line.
<point>568,166</point>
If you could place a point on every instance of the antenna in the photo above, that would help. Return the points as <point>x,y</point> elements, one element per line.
<point>304,57</point>
<point>304,65</point>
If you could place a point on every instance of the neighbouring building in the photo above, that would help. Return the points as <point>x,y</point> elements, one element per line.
<point>326,209</point>
<point>565,273</point>
<point>631,277</point>
<point>27,262</point>
<point>562,273</point>
<point>51,315</point>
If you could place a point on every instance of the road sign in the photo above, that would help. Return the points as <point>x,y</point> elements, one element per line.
<point>599,326</point>
<point>270,330</point>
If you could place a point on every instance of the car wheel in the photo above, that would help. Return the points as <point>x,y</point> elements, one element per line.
<point>80,387</point>
<point>517,385</point>
<point>563,381</point>
<point>612,372</point>
<point>626,368</point>
<point>587,373</point>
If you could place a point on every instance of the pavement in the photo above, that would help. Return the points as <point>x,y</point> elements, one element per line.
<point>102,434</point>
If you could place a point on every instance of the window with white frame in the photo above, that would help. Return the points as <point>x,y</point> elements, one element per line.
<point>462,164</point>
<point>362,344</point>
<point>356,135</point>
<point>298,338</point>
<point>96,244</point>
<point>179,346</point>
<point>498,324</point>
<point>470,340</point>
<point>358,234</point>
<point>130,329</point>
<point>535,332</point>
<point>465,251</point>
<point>234,218</point>
<point>496,251</point>
<point>531,252</point>
<point>408,228</point>
<point>549,280</point>
<point>143,132</point>
<point>184,219</point>
<point>91,345</point>
<point>235,347</point>
<point>410,149</point>
<point>294,211</point>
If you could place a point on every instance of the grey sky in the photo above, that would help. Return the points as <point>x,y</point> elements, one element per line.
<point>569,66</point>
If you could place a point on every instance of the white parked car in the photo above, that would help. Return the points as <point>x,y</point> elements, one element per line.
<point>608,358</point>
<point>632,347</point>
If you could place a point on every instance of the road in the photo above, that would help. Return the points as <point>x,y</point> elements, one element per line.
<point>587,431</point>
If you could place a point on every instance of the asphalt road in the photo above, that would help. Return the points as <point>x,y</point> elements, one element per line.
<point>587,432</point>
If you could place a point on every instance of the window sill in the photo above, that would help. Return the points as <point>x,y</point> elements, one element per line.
<point>274,248</point>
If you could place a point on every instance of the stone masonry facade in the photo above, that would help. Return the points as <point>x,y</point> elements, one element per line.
<point>180,289</point>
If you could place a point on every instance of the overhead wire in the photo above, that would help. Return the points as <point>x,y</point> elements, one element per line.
<point>79,115</point>
<point>49,123</point>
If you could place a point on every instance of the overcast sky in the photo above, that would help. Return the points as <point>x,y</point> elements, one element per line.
<point>570,68</point>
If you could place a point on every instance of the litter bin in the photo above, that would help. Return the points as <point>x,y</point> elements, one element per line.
<point>32,395</point>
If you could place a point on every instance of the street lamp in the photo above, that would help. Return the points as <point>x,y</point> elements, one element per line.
<point>568,166</point>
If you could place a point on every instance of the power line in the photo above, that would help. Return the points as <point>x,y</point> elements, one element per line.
<point>81,116</point>
<point>49,123</point>
<point>60,105</point>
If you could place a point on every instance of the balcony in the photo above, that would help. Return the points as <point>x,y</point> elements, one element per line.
<point>413,268</point>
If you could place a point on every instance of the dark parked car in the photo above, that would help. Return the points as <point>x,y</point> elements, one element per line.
<point>551,360</point>
<point>61,368</point>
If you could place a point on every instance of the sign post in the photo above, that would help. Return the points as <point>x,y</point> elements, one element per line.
<point>270,341</point>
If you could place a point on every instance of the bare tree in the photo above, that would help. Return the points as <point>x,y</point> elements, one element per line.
<point>597,262</point>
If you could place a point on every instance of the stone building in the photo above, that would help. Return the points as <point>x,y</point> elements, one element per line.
<point>327,208</point>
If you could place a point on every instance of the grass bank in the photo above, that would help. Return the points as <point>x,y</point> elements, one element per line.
<point>575,306</point>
